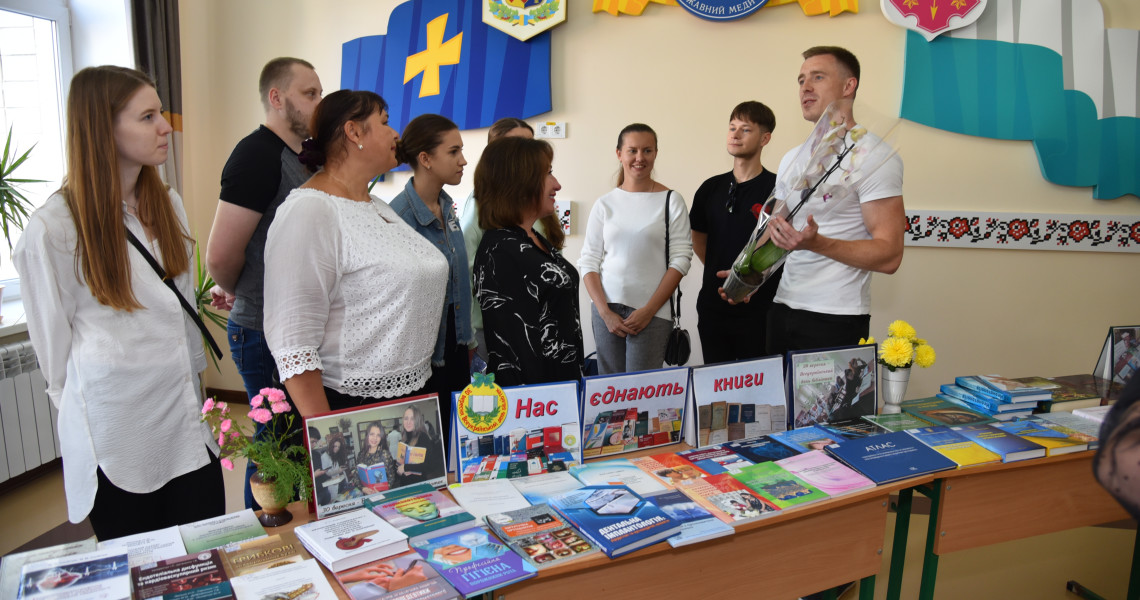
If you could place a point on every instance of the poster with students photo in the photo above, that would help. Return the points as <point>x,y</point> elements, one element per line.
<point>1120,356</point>
<point>374,448</point>
<point>830,385</point>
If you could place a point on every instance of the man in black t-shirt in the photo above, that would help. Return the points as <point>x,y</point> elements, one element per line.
<point>724,213</point>
<point>259,174</point>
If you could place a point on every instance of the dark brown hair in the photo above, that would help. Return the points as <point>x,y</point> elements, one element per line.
<point>504,126</point>
<point>277,73</point>
<point>94,192</point>
<point>510,180</point>
<point>422,134</point>
<point>755,112</point>
<point>327,125</point>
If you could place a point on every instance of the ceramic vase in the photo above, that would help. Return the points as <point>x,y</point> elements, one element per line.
<point>892,388</point>
<point>273,513</point>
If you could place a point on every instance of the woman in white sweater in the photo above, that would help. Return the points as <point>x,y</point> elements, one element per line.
<point>627,270</point>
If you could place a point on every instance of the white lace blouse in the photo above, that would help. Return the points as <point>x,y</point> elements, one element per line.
<point>353,291</point>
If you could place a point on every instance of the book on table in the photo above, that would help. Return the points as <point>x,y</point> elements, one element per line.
<point>294,581</point>
<point>419,510</point>
<point>697,524</point>
<point>805,438</point>
<point>1087,429</point>
<point>1094,413</point>
<point>263,553</point>
<point>761,449</point>
<point>618,471</point>
<point>148,546</point>
<point>1003,388</point>
<point>405,576</point>
<point>728,499</point>
<point>473,561</point>
<point>538,489</point>
<point>351,539</point>
<point>220,531</point>
<point>1055,441</point>
<point>1007,445</point>
<point>715,459</point>
<point>481,498</point>
<point>615,518</point>
<point>200,576</point>
<point>1070,396</point>
<point>890,457</point>
<point>779,486</point>
<point>824,472</point>
<point>955,446</point>
<point>854,428</point>
<point>103,574</point>
<point>897,421</point>
<point>670,469</point>
<point>982,402</point>
<point>12,564</point>
<point>938,411</point>
<point>540,535</point>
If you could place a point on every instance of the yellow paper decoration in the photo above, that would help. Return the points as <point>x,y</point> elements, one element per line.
<point>628,7</point>
<point>437,54</point>
<point>812,8</point>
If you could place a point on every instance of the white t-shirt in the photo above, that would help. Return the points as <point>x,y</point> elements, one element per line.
<point>812,281</point>
<point>354,291</point>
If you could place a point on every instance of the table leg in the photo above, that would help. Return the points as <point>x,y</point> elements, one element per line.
<point>867,588</point>
<point>1134,577</point>
<point>930,560</point>
<point>898,545</point>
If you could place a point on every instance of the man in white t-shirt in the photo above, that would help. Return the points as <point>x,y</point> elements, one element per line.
<point>824,297</point>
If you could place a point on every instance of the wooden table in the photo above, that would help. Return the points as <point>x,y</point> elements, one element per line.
<point>787,555</point>
<point>979,506</point>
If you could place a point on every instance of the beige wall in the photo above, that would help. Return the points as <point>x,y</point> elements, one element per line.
<point>1010,311</point>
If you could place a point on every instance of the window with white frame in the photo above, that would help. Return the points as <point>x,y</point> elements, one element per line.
<point>35,63</point>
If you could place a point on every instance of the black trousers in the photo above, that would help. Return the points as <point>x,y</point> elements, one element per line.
<point>725,339</point>
<point>794,329</point>
<point>197,495</point>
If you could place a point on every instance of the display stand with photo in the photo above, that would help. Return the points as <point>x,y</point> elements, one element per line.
<point>515,431</point>
<point>831,385</point>
<point>738,400</point>
<point>374,448</point>
<point>633,411</point>
<point>1119,357</point>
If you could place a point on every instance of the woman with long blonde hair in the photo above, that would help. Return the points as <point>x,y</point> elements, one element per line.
<point>120,355</point>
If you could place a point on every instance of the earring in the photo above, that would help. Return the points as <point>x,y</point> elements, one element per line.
<point>361,146</point>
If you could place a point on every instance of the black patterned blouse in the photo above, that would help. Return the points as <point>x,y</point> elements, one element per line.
<point>529,299</point>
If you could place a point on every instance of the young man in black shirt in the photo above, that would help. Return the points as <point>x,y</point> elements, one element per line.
<point>724,213</point>
<point>259,174</point>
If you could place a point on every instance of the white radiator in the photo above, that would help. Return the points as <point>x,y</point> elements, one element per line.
<point>27,417</point>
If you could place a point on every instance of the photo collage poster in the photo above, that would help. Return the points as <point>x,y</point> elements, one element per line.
<point>739,400</point>
<point>633,411</point>
<point>534,428</point>
<point>827,386</point>
<point>361,451</point>
<point>1119,357</point>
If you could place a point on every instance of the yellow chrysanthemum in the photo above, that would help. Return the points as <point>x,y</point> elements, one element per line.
<point>919,342</point>
<point>896,351</point>
<point>901,329</point>
<point>867,342</point>
<point>924,355</point>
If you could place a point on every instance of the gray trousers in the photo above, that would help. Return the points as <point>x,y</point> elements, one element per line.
<point>640,352</point>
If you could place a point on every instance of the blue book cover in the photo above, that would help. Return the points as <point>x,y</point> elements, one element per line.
<point>977,400</point>
<point>1006,445</point>
<point>761,449</point>
<point>473,561</point>
<point>615,518</point>
<point>804,439</point>
<point>715,460</point>
<point>1002,389</point>
<point>697,524</point>
<point>890,457</point>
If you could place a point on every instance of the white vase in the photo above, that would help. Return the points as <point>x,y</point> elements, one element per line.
<point>892,388</point>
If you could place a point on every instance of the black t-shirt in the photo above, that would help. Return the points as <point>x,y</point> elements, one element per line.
<point>259,175</point>
<point>727,233</point>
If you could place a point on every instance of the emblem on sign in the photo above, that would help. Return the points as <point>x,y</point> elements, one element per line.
<point>930,18</point>
<point>523,19</point>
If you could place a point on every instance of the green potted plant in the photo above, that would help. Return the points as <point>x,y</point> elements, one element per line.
<point>14,206</point>
<point>282,467</point>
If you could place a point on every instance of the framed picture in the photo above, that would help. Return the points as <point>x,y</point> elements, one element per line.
<point>1120,355</point>
<point>633,411</point>
<point>739,400</point>
<point>374,448</point>
<point>830,385</point>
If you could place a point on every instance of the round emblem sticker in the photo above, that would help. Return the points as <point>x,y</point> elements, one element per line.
<point>722,10</point>
<point>482,406</point>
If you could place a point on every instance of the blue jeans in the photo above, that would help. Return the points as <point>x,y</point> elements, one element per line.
<point>640,352</point>
<point>255,365</point>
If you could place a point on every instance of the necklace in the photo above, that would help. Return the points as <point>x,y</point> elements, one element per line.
<point>347,190</point>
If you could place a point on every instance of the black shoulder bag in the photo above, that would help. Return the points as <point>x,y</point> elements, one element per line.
<point>170,284</point>
<point>678,348</point>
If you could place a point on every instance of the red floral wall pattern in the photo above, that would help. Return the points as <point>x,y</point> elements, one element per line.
<point>957,229</point>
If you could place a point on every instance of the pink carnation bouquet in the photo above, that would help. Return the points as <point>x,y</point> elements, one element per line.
<point>287,465</point>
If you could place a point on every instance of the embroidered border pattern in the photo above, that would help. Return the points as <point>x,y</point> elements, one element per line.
<point>961,229</point>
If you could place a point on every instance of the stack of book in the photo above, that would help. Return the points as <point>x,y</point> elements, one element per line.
<point>998,397</point>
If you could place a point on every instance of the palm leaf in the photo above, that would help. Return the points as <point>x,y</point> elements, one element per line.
<point>14,206</point>
<point>202,299</point>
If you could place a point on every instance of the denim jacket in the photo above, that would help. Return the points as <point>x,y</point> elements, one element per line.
<point>449,240</point>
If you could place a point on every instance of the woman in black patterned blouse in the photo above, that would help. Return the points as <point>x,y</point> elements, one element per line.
<point>528,292</point>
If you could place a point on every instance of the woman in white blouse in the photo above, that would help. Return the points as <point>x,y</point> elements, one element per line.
<point>120,355</point>
<point>353,295</point>
<point>627,270</point>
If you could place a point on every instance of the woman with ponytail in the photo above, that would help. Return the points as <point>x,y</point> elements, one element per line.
<point>120,355</point>
<point>353,295</point>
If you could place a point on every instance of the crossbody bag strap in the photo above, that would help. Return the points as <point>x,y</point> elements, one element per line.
<point>170,284</point>
<point>674,309</point>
